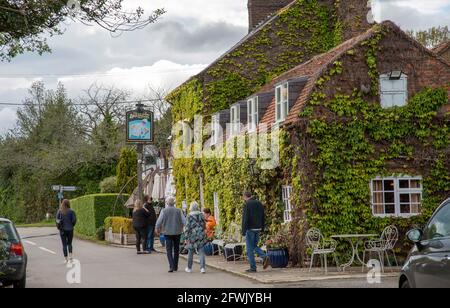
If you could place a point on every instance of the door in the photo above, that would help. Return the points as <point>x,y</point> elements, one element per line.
<point>432,268</point>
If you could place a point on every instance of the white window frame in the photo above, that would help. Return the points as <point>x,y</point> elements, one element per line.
<point>215,123</point>
<point>216,207</point>
<point>397,192</point>
<point>281,103</point>
<point>235,119</point>
<point>387,94</point>
<point>252,114</point>
<point>287,201</point>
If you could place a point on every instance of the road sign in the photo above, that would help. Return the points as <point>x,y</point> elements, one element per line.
<point>64,188</point>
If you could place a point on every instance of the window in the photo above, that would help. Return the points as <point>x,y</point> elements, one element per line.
<point>215,129</point>
<point>394,91</point>
<point>216,208</point>
<point>282,102</point>
<point>396,196</point>
<point>252,110</point>
<point>439,226</point>
<point>287,193</point>
<point>235,115</point>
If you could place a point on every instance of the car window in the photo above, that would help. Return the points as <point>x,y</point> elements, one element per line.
<point>7,236</point>
<point>439,226</point>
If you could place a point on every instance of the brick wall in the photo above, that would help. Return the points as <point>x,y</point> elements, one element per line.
<point>259,10</point>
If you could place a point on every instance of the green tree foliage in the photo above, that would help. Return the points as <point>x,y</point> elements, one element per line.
<point>25,24</point>
<point>127,170</point>
<point>109,185</point>
<point>431,37</point>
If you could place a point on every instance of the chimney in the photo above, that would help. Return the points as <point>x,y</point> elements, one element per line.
<point>259,10</point>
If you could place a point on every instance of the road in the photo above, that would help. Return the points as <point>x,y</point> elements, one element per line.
<point>112,267</point>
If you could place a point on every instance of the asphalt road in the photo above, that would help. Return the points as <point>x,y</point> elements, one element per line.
<point>111,267</point>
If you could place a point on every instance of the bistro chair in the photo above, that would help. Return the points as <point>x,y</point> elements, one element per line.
<point>319,246</point>
<point>382,246</point>
<point>235,244</point>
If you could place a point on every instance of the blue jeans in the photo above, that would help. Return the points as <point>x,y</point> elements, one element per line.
<point>201,253</point>
<point>252,240</point>
<point>151,238</point>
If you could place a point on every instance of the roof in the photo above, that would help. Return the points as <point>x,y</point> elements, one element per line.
<point>5,220</point>
<point>441,48</point>
<point>317,66</point>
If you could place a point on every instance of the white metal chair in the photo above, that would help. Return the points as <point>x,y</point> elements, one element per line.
<point>235,241</point>
<point>319,246</point>
<point>382,246</point>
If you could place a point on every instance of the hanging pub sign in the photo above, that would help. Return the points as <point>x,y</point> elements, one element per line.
<point>140,126</point>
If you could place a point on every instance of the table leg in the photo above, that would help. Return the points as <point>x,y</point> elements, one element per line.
<point>352,259</point>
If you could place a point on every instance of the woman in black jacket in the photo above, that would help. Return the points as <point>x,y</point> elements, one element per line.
<point>66,219</point>
<point>140,225</point>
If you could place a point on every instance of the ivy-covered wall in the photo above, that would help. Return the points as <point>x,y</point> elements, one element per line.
<point>344,138</point>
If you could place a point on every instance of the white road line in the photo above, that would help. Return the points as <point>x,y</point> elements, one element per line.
<point>31,243</point>
<point>47,250</point>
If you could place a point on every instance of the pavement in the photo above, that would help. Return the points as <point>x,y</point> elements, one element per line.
<point>104,266</point>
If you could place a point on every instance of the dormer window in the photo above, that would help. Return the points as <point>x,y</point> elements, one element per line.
<point>393,89</point>
<point>235,119</point>
<point>282,102</point>
<point>252,114</point>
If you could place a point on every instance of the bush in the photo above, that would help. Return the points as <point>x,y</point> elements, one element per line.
<point>119,222</point>
<point>109,185</point>
<point>92,210</point>
<point>101,234</point>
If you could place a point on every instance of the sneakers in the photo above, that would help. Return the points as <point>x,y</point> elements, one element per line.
<point>250,270</point>
<point>188,270</point>
<point>66,260</point>
<point>266,262</point>
<point>203,271</point>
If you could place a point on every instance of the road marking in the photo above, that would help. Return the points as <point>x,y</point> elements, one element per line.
<point>31,243</point>
<point>47,250</point>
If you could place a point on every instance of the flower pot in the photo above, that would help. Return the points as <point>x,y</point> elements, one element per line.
<point>279,258</point>
<point>209,249</point>
<point>162,240</point>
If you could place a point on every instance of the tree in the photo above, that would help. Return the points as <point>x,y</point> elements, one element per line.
<point>432,37</point>
<point>127,170</point>
<point>24,24</point>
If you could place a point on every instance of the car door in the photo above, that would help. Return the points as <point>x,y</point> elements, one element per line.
<point>432,268</point>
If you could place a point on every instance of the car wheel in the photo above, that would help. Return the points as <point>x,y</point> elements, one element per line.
<point>20,284</point>
<point>405,284</point>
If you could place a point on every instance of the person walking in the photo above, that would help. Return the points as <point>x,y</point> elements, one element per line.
<point>140,225</point>
<point>66,219</point>
<point>253,221</point>
<point>210,223</point>
<point>148,205</point>
<point>170,222</point>
<point>195,236</point>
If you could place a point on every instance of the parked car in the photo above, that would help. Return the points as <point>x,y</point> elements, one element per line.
<point>428,264</point>
<point>13,259</point>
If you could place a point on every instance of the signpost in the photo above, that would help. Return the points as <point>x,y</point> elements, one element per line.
<point>140,131</point>
<point>61,189</point>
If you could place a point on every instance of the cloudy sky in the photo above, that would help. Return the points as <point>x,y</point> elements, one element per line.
<point>190,35</point>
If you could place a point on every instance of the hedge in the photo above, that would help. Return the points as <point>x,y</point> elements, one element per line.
<point>92,210</point>
<point>119,222</point>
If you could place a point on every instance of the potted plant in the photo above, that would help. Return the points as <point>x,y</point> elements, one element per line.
<point>277,248</point>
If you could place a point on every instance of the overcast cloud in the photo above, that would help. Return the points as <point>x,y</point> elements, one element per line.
<point>190,36</point>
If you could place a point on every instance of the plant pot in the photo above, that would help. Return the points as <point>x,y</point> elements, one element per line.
<point>209,249</point>
<point>162,240</point>
<point>233,255</point>
<point>279,258</point>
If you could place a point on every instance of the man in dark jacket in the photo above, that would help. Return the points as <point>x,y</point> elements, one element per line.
<point>148,205</point>
<point>253,220</point>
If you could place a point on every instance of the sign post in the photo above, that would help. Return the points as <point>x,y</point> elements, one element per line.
<point>140,131</point>
<point>61,189</point>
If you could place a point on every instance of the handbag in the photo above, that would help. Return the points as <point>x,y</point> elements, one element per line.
<point>59,222</point>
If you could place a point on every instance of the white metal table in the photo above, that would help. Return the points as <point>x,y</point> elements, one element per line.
<point>354,240</point>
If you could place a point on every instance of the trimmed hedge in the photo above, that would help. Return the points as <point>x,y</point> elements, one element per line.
<point>92,210</point>
<point>119,222</point>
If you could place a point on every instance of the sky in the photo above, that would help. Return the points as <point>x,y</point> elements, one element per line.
<point>183,42</point>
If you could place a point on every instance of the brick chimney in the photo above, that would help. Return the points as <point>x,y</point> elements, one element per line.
<point>259,10</point>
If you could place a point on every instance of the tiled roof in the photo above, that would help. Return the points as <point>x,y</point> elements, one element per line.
<point>441,48</point>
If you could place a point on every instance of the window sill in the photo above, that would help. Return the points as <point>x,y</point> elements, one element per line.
<point>406,216</point>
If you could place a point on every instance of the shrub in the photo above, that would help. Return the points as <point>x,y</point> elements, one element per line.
<point>101,233</point>
<point>92,210</point>
<point>109,185</point>
<point>119,222</point>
